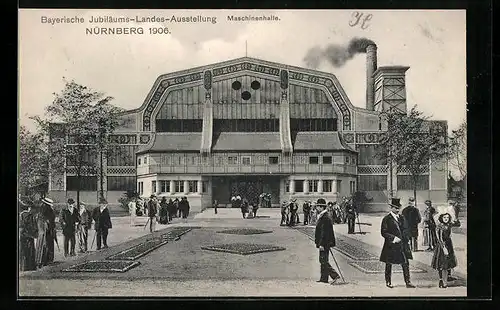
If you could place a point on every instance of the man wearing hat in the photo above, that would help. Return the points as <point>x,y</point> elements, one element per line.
<point>284,216</point>
<point>84,225</point>
<point>351,216</point>
<point>293,212</point>
<point>396,249</point>
<point>28,231</point>
<point>306,208</point>
<point>430,237</point>
<point>413,218</point>
<point>324,238</point>
<point>68,218</point>
<point>46,233</point>
<point>102,223</point>
<point>152,210</point>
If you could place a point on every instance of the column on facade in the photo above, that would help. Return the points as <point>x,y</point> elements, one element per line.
<point>306,186</point>
<point>172,187</point>
<point>186,187</point>
<point>320,186</point>
<point>334,186</point>
<point>199,187</point>
<point>292,186</point>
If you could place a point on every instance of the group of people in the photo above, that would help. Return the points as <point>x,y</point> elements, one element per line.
<point>38,233</point>
<point>162,211</point>
<point>400,233</point>
<point>244,205</point>
<point>342,213</point>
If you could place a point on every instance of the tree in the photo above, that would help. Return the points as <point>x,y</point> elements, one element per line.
<point>86,119</point>
<point>33,160</point>
<point>410,142</point>
<point>458,150</point>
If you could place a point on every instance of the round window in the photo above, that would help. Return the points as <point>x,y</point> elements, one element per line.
<point>255,85</point>
<point>245,95</point>
<point>236,85</point>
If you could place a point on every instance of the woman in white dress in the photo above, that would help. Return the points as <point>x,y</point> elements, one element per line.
<point>132,205</point>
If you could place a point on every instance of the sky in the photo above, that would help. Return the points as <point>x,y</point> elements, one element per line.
<point>431,43</point>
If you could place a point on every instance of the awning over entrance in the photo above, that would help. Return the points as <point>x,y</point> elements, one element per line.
<point>320,141</point>
<point>173,142</point>
<point>247,141</point>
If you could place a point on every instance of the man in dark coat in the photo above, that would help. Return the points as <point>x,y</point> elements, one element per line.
<point>306,208</point>
<point>324,238</point>
<point>351,216</point>
<point>396,249</point>
<point>216,205</point>
<point>171,209</point>
<point>102,223</point>
<point>412,216</point>
<point>152,211</point>
<point>46,223</point>
<point>69,218</point>
<point>284,213</point>
<point>28,231</point>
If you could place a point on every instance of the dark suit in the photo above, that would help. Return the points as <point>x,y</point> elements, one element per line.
<point>325,237</point>
<point>412,215</point>
<point>395,253</point>
<point>102,224</point>
<point>68,222</point>
<point>351,217</point>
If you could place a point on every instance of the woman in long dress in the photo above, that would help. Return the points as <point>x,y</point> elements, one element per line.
<point>27,232</point>
<point>444,256</point>
<point>46,233</point>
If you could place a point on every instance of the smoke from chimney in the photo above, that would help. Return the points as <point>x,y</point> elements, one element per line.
<point>336,55</point>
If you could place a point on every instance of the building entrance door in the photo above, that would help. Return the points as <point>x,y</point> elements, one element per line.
<point>249,187</point>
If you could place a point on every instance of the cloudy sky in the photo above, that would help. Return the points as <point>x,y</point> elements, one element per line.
<point>432,43</point>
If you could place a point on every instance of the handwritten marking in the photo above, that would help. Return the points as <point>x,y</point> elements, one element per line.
<point>358,17</point>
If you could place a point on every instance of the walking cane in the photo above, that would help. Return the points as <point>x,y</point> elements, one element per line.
<point>336,264</point>
<point>146,223</point>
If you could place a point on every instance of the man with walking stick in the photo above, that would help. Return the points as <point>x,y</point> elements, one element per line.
<point>102,223</point>
<point>325,240</point>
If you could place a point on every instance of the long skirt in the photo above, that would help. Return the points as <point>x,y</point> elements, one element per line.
<point>429,237</point>
<point>27,254</point>
<point>441,261</point>
<point>44,249</point>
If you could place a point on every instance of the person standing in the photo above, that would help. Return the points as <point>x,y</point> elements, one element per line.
<point>69,218</point>
<point>351,216</point>
<point>84,225</point>
<point>102,223</point>
<point>28,231</point>
<point>163,211</point>
<point>444,258</point>
<point>216,205</point>
<point>306,208</point>
<point>171,210</point>
<point>179,207</point>
<point>284,219</point>
<point>429,226</point>
<point>255,207</point>
<point>396,249</point>
<point>46,223</point>
<point>293,207</point>
<point>152,211</point>
<point>244,208</point>
<point>324,239</point>
<point>188,207</point>
<point>413,218</point>
<point>132,209</point>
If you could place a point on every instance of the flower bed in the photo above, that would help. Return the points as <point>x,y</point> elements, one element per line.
<point>139,250</point>
<point>245,231</point>
<point>175,233</point>
<point>243,248</point>
<point>354,252</point>
<point>102,266</point>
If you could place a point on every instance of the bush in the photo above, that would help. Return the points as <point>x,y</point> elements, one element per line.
<point>126,197</point>
<point>359,200</point>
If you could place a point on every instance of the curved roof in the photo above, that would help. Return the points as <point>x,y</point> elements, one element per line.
<point>320,141</point>
<point>247,141</point>
<point>173,141</point>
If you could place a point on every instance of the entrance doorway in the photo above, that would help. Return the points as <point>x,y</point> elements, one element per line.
<point>249,187</point>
